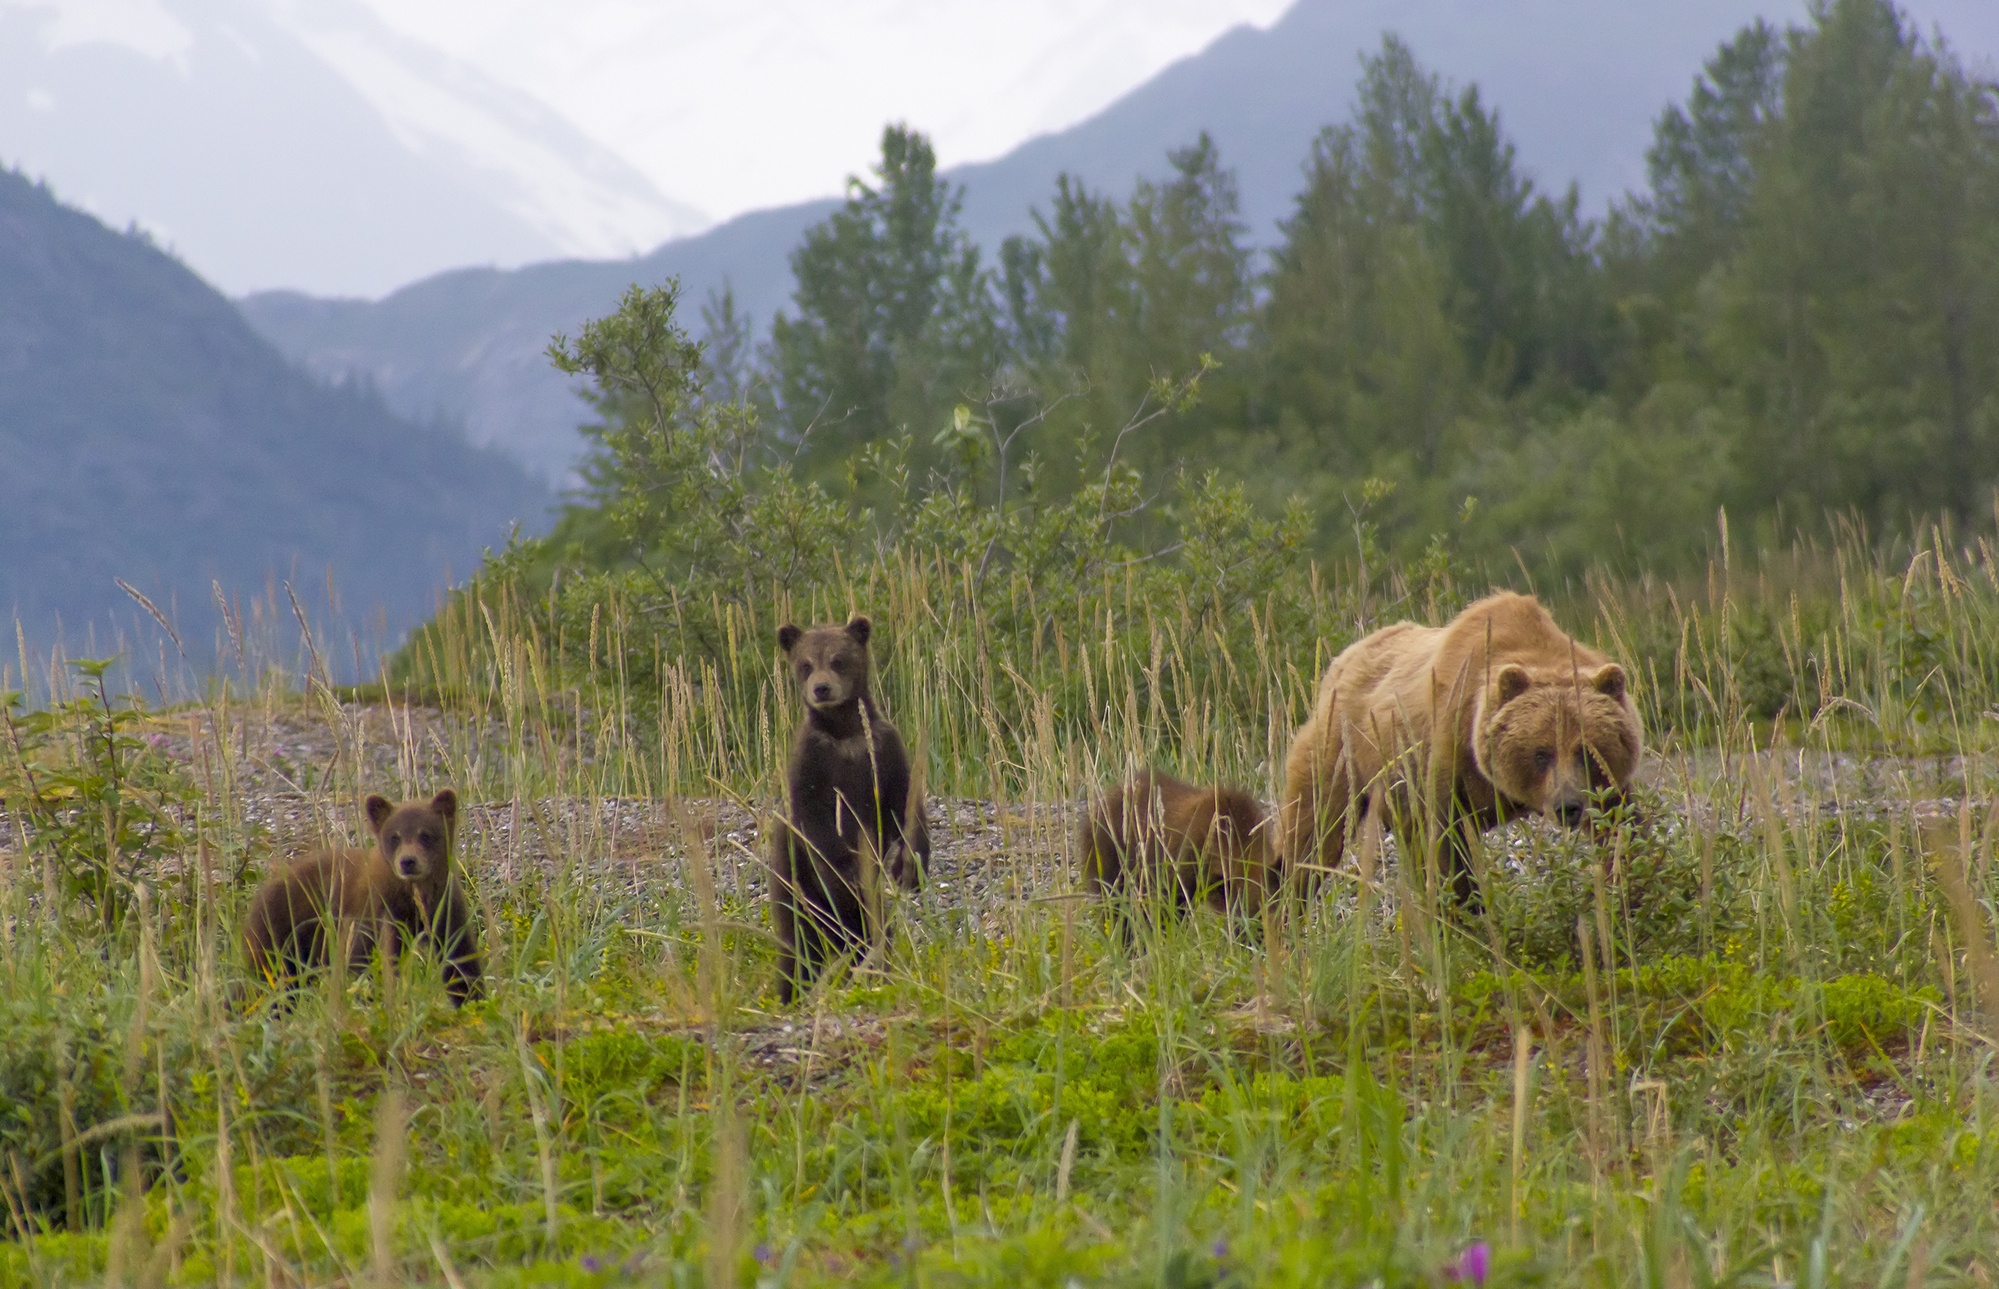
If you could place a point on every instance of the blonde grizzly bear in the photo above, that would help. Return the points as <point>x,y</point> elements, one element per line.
<point>1434,731</point>
<point>401,889</point>
<point>1159,841</point>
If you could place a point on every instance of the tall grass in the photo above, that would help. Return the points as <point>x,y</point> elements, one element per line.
<point>1753,1048</point>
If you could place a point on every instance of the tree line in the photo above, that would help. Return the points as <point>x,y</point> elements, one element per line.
<point>1792,323</point>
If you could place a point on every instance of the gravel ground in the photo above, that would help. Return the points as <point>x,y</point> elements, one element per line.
<point>280,767</point>
<point>277,765</point>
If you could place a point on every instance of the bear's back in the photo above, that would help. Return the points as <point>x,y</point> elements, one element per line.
<point>341,881</point>
<point>1507,627</point>
<point>323,886</point>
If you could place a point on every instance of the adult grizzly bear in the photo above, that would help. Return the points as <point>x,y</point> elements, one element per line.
<point>1161,841</point>
<point>404,888</point>
<point>848,799</point>
<point>1437,730</point>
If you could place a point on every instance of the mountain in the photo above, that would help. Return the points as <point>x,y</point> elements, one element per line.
<point>302,143</point>
<point>1578,84</point>
<point>149,434</point>
<point>469,346</point>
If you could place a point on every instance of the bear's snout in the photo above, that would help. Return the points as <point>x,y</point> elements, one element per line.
<point>1570,810</point>
<point>822,691</point>
<point>408,865</point>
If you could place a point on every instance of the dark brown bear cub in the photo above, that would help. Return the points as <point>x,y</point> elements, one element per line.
<point>1156,841</point>
<point>847,797</point>
<point>402,889</point>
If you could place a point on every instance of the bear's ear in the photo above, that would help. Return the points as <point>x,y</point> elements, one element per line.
<point>446,804</point>
<point>859,628</point>
<point>379,810</point>
<point>1511,682</point>
<point>787,636</point>
<point>1608,681</point>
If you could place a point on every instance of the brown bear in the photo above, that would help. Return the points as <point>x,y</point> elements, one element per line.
<point>1436,730</point>
<point>404,888</point>
<point>849,805</point>
<point>1158,840</point>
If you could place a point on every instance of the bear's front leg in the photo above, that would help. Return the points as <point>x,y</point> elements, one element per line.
<point>1455,863</point>
<point>357,937</point>
<point>785,923</point>
<point>807,897</point>
<point>458,944</point>
<point>1466,825</point>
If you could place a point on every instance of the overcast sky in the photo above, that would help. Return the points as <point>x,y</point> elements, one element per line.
<point>733,106</point>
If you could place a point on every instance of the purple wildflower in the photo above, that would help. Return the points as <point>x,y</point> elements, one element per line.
<point>592,1265</point>
<point>1221,1249</point>
<point>1473,1265</point>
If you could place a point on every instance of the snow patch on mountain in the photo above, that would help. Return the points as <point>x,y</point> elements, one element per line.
<point>305,144</point>
<point>586,199</point>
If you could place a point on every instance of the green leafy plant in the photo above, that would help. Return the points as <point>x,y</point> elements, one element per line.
<point>98,802</point>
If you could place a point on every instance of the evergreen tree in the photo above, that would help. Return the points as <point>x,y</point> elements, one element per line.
<point>1108,302</point>
<point>1363,359</point>
<point>728,357</point>
<point>1074,286</point>
<point>1866,277</point>
<point>1420,277</point>
<point>895,316</point>
<point>1703,158</point>
<point>1190,268</point>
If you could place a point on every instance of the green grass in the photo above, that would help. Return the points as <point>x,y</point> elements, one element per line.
<point>1754,1052</point>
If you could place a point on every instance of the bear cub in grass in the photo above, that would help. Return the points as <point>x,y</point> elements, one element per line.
<point>1156,841</point>
<point>848,803</point>
<point>402,889</point>
<point>1433,730</point>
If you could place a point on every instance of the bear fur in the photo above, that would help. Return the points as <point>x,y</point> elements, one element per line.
<point>1168,843</point>
<point>1434,731</point>
<point>849,804</point>
<point>403,888</point>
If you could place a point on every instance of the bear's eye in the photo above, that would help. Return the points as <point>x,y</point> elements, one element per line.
<point>388,839</point>
<point>804,670</point>
<point>1543,759</point>
<point>423,839</point>
<point>839,665</point>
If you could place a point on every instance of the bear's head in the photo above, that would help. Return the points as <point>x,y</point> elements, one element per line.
<point>1558,741</point>
<point>415,837</point>
<point>1253,836</point>
<point>830,663</point>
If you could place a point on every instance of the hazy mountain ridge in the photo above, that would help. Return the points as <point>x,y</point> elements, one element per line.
<point>1577,83</point>
<point>150,434</point>
<point>469,345</point>
<point>240,130</point>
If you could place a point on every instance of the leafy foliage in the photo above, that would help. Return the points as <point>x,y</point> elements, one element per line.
<point>896,320</point>
<point>1783,323</point>
<point>98,803</point>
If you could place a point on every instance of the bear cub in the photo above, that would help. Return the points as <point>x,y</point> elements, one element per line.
<point>402,889</point>
<point>848,796</point>
<point>1162,841</point>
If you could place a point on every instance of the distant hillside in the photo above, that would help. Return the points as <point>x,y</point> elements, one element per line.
<point>469,345</point>
<point>1578,84</point>
<point>146,432</point>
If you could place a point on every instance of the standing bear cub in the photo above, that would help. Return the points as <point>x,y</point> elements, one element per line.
<point>1157,842</point>
<point>849,808</point>
<point>1437,730</point>
<point>402,889</point>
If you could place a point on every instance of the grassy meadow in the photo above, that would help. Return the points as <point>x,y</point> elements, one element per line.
<point>1750,1046</point>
